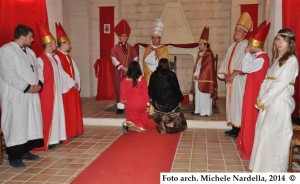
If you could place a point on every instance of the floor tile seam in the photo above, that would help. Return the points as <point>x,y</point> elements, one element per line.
<point>221,148</point>
<point>239,155</point>
<point>102,150</point>
<point>61,169</point>
<point>57,173</point>
<point>29,178</point>
<point>191,152</point>
<point>9,179</point>
<point>206,151</point>
<point>73,176</point>
<point>176,152</point>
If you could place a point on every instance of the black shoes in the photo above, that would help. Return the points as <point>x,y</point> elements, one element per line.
<point>16,163</point>
<point>228,132</point>
<point>234,132</point>
<point>125,129</point>
<point>29,156</point>
<point>196,114</point>
<point>120,111</point>
<point>52,146</point>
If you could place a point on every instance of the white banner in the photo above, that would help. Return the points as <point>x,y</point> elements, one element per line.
<point>210,178</point>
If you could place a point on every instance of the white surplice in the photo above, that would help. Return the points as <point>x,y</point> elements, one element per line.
<point>152,60</point>
<point>58,126</point>
<point>203,101</point>
<point>235,91</point>
<point>21,112</point>
<point>251,63</point>
<point>274,129</point>
<point>68,82</point>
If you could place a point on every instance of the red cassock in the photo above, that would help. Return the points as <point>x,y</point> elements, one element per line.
<point>125,59</point>
<point>249,113</point>
<point>47,99</point>
<point>137,99</point>
<point>72,102</point>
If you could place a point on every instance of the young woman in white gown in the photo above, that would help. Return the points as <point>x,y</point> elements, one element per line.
<point>275,103</point>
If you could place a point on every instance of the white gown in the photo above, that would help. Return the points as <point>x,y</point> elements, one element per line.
<point>274,129</point>
<point>21,119</point>
<point>234,102</point>
<point>203,101</point>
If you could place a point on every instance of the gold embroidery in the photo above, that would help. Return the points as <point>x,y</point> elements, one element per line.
<point>271,78</point>
<point>205,81</point>
<point>260,105</point>
<point>274,78</point>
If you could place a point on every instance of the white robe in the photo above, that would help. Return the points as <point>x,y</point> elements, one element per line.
<point>251,63</point>
<point>234,102</point>
<point>203,101</point>
<point>68,82</point>
<point>151,60</point>
<point>58,126</point>
<point>274,129</point>
<point>21,119</point>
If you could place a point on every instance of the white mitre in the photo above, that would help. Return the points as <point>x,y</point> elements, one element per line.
<point>157,28</point>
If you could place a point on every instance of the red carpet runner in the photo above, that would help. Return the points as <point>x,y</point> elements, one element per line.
<point>133,158</point>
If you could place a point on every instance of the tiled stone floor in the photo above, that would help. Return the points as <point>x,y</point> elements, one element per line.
<point>199,150</point>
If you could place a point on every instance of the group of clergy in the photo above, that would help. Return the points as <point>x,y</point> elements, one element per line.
<point>40,99</point>
<point>259,100</point>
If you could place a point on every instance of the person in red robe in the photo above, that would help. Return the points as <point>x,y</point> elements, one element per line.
<point>255,64</point>
<point>54,126</point>
<point>204,76</point>
<point>122,54</point>
<point>71,85</point>
<point>134,94</point>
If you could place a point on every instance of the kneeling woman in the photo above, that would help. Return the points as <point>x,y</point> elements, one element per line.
<point>134,94</point>
<point>165,93</point>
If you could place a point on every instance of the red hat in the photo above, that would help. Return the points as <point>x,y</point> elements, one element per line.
<point>45,34</point>
<point>61,34</point>
<point>260,35</point>
<point>122,28</point>
<point>204,36</point>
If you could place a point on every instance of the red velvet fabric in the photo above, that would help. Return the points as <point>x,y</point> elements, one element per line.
<point>252,9</point>
<point>104,72</point>
<point>29,12</point>
<point>290,19</point>
<point>103,66</point>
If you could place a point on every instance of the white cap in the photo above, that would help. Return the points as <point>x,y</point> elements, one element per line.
<point>157,28</point>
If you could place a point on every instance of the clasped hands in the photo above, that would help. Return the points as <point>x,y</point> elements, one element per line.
<point>125,69</point>
<point>229,77</point>
<point>35,88</point>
